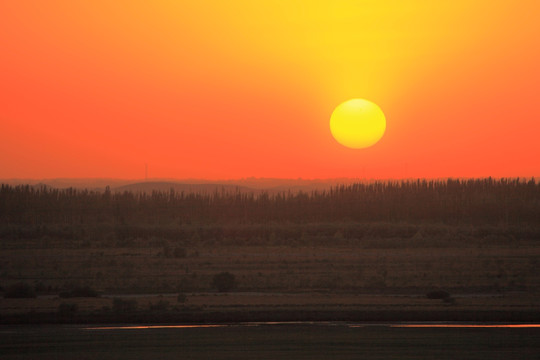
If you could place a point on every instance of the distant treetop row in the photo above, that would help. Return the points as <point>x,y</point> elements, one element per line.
<point>475,201</point>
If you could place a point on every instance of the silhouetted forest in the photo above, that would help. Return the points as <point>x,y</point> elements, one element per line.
<point>452,201</point>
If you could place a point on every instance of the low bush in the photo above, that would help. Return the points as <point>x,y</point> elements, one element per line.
<point>122,306</point>
<point>182,298</point>
<point>449,300</point>
<point>438,294</point>
<point>67,310</point>
<point>20,290</point>
<point>80,291</point>
<point>180,252</point>
<point>160,306</point>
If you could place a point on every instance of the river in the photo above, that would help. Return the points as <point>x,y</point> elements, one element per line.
<point>304,340</point>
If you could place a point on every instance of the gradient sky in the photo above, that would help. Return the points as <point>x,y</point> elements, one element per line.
<point>231,89</point>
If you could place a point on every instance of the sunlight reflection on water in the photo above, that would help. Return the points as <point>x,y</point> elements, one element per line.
<point>466,326</point>
<point>273,323</point>
<point>138,327</point>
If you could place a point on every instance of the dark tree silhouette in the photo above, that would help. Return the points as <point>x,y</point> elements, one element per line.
<point>474,201</point>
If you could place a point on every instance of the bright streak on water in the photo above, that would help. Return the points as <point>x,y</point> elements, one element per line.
<point>270,323</point>
<point>138,327</point>
<point>466,326</point>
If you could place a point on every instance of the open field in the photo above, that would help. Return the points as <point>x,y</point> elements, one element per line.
<point>490,272</point>
<point>492,260</point>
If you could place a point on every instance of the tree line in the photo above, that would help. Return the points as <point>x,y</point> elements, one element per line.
<point>453,201</point>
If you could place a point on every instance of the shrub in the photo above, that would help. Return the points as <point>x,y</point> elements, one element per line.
<point>40,287</point>
<point>121,306</point>
<point>160,306</point>
<point>67,310</point>
<point>179,252</point>
<point>167,251</point>
<point>224,281</point>
<point>79,291</point>
<point>187,283</point>
<point>182,298</point>
<point>438,294</point>
<point>449,300</point>
<point>20,290</point>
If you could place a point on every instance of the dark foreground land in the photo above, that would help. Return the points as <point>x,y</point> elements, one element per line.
<point>251,341</point>
<point>353,253</point>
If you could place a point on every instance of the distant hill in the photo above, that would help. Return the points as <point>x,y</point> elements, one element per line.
<point>97,184</point>
<point>163,186</point>
<point>257,186</point>
<point>273,185</point>
<point>244,185</point>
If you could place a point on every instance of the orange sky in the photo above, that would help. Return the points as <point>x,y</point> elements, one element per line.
<point>230,89</point>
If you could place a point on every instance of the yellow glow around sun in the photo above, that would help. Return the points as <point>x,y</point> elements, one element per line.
<point>357,123</point>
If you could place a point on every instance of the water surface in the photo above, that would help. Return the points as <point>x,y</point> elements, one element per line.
<point>274,341</point>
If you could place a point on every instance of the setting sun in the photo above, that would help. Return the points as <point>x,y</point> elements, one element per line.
<point>357,123</point>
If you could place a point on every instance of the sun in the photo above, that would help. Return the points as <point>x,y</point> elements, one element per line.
<point>357,123</point>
